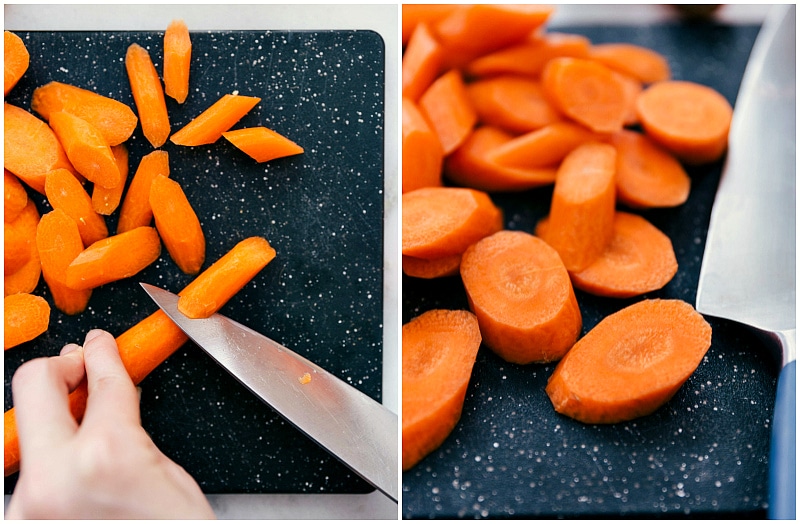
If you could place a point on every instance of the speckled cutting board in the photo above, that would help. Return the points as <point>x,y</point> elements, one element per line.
<point>704,454</point>
<point>322,211</point>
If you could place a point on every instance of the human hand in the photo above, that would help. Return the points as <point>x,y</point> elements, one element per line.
<point>105,468</point>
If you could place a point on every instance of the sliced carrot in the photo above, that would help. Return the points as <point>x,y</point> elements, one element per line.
<point>15,196</point>
<point>422,151</point>
<point>135,210</point>
<point>25,279</point>
<point>86,149</point>
<point>439,351</point>
<point>444,221</point>
<point>148,95</point>
<point>59,242</point>
<point>632,89</point>
<point>31,148</point>
<point>421,64</point>
<point>177,224</point>
<point>415,14</point>
<point>472,165</point>
<point>208,126</point>
<point>431,268</point>
<point>631,363</point>
<point>262,144</point>
<point>544,147</point>
<point>25,317</point>
<point>582,208</point>
<point>646,65</point>
<point>447,107</point>
<point>65,192</point>
<point>688,119</point>
<point>18,239</point>
<point>105,200</point>
<point>16,60</point>
<point>512,102</point>
<point>177,60</point>
<point>647,175</point>
<point>114,119</point>
<point>587,92</point>
<point>521,293</point>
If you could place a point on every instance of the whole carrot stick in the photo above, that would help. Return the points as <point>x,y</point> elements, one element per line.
<point>135,210</point>
<point>177,224</point>
<point>208,126</point>
<point>177,60</point>
<point>148,95</point>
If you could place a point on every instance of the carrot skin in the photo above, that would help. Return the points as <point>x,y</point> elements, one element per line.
<point>177,60</point>
<point>135,210</point>
<point>208,126</point>
<point>148,95</point>
<point>58,241</point>
<point>177,224</point>
<point>25,317</point>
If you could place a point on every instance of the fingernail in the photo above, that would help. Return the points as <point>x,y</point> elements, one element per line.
<point>93,334</point>
<point>70,348</point>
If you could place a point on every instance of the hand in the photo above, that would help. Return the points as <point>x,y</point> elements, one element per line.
<point>105,468</point>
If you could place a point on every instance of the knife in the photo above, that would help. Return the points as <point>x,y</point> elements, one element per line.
<point>748,273</point>
<point>349,424</point>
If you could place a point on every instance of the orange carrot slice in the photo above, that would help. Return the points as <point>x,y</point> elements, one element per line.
<point>16,60</point>
<point>148,95</point>
<point>513,103</point>
<point>545,147</point>
<point>25,317</point>
<point>646,65</point>
<point>15,196</point>
<point>177,60</point>
<point>86,149</point>
<point>439,351</point>
<point>521,293</point>
<point>26,278</point>
<point>177,224</point>
<point>447,107</point>
<point>262,144</point>
<point>105,200</point>
<point>431,268</point>
<point>65,192</point>
<point>632,89</point>
<point>209,125</point>
<point>631,363</point>
<point>18,239</point>
<point>135,210</point>
<point>421,64</point>
<point>422,151</point>
<point>416,14</point>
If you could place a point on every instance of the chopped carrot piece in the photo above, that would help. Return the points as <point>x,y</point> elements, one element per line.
<point>421,64</point>
<point>644,64</point>
<point>135,210</point>
<point>16,60</point>
<point>25,317</point>
<point>105,200</point>
<point>18,239</point>
<point>59,243</point>
<point>26,278</point>
<point>177,60</point>
<point>115,120</point>
<point>416,14</point>
<point>422,151</point>
<point>208,126</point>
<point>631,363</point>
<point>632,88</point>
<point>521,293</point>
<point>544,147</point>
<point>177,224</point>
<point>65,192</point>
<point>439,351</point>
<point>431,268</point>
<point>86,149</point>
<point>262,144</point>
<point>512,102</point>
<point>688,119</point>
<point>148,95</point>
<point>15,196</point>
<point>448,109</point>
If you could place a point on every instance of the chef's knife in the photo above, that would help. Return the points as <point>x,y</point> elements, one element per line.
<point>748,272</point>
<point>353,427</point>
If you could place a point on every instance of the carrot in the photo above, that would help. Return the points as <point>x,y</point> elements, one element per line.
<point>632,88</point>
<point>521,293</point>
<point>582,208</point>
<point>135,210</point>
<point>431,268</point>
<point>177,60</point>
<point>208,126</point>
<point>448,109</point>
<point>26,278</point>
<point>262,144</point>
<point>688,119</point>
<point>422,151</point>
<point>544,147</point>
<point>65,192</point>
<point>114,119</point>
<point>472,165</point>
<point>86,149</point>
<point>644,64</point>
<point>421,63</point>
<point>25,317</point>
<point>18,239</point>
<point>59,243</point>
<point>415,14</point>
<point>105,200</point>
<point>114,258</point>
<point>586,92</point>
<point>444,221</point>
<point>148,95</point>
<point>647,176</point>
<point>177,224</point>
<point>16,60</point>
<point>631,363</point>
<point>439,351</point>
<point>30,148</point>
<point>15,196</point>
<point>512,102</point>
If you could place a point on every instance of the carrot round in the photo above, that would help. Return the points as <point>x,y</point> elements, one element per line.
<point>87,150</point>
<point>105,200</point>
<point>422,151</point>
<point>177,60</point>
<point>646,65</point>
<point>448,109</point>
<point>439,351</point>
<point>177,224</point>
<point>544,147</point>
<point>148,95</point>
<point>521,293</point>
<point>26,278</point>
<point>135,210</point>
<point>631,363</point>
<point>415,14</point>
<point>15,197</point>
<point>262,144</point>
<point>431,268</point>
<point>16,60</point>
<point>208,126</point>
<point>512,102</point>
<point>632,88</point>
<point>19,239</point>
<point>688,119</point>
<point>65,192</point>
<point>25,317</point>
<point>421,64</point>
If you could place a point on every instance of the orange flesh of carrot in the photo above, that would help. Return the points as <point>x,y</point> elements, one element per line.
<point>177,60</point>
<point>15,196</point>
<point>642,63</point>
<point>513,103</point>
<point>632,88</point>
<point>422,151</point>
<point>447,107</point>
<point>262,144</point>
<point>59,242</point>
<point>115,120</point>
<point>65,192</point>
<point>16,60</point>
<point>86,149</point>
<point>105,200</point>
<point>148,95</point>
<point>177,224</point>
<point>421,64</point>
<point>26,278</point>
<point>135,210</point>
<point>25,317</point>
<point>431,268</point>
<point>18,239</point>
<point>439,351</point>
<point>544,147</point>
<point>631,363</point>
<point>521,293</point>
<point>416,14</point>
<point>208,126</point>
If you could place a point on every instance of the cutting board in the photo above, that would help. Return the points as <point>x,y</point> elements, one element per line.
<point>704,454</point>
<point>322,211</point>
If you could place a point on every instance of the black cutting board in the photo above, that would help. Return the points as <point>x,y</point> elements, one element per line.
<point>322,211</point>
<point>704,454</point>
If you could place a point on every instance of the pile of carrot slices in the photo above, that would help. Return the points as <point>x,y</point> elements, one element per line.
<point>492,101</point>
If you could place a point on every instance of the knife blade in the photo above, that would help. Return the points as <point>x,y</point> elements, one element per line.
<point>748,273</point>
<point>349,424</point>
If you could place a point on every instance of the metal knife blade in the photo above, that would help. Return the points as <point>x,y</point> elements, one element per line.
<point>349,424</point>
<point>748,273</point>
